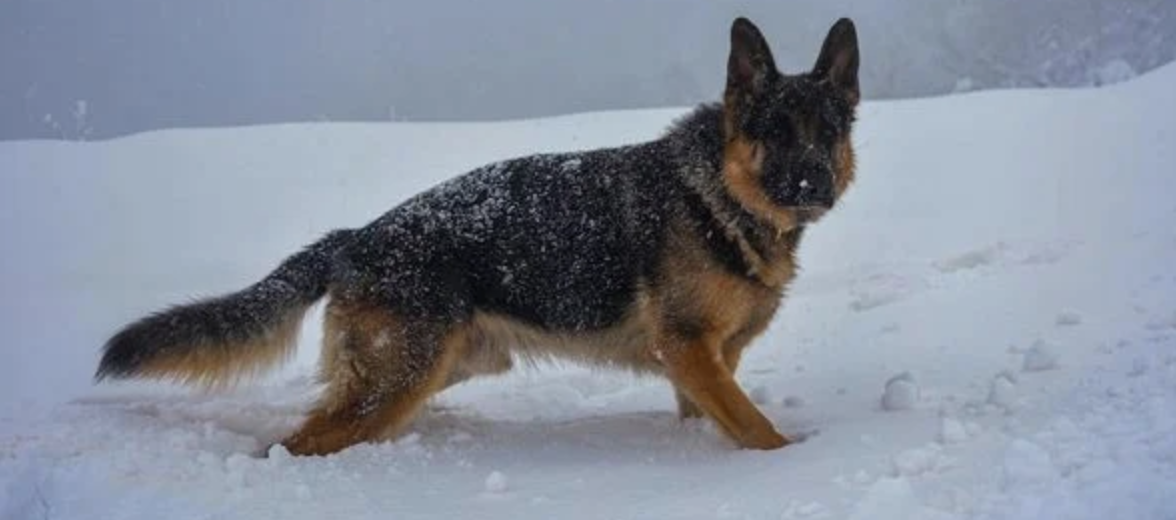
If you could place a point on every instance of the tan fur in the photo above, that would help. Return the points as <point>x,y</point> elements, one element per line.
<point>479,359</point>
<point>376,380</point>
<point>701,364</point>
<point>366,349</point>
<point>621,346</point>
<point>697,287</point>
<point>732,353</point>
<point>220,366</point>
<point>698,371</point>
<point>844,166</point>
<point>733,310</point>
<point>356,339</point>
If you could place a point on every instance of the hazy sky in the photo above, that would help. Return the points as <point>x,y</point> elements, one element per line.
<point>101,69</point>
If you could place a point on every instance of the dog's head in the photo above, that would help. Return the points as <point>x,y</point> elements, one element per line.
<point>787,149</point>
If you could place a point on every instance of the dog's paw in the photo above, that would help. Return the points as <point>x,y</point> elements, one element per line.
<point>766,440</point>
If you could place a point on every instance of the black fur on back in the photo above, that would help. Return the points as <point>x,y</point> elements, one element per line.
<point>561,241</point>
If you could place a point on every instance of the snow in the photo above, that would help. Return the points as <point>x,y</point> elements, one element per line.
<point>1041,355</point>
<point>793,401</point>
<point>1068,318</point>
<point>975,221</point>
<point>496,482</point>
<point>1114,71</point>
<point>760,395</point>
<point>1002,392</point>
<point>952,431</point>
<point>901,393</point>
<point>921,460</point>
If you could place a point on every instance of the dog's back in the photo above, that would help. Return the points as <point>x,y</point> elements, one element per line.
<point>559,240</point>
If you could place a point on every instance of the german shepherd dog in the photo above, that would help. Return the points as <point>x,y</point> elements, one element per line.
<point>666,257</point>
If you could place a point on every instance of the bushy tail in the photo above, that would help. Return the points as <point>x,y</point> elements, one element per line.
<point>213,342</point>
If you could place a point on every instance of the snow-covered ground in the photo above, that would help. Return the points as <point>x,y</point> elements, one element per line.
<point>1002,272</point>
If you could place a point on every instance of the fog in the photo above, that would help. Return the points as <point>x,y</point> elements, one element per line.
<point>94,70</point>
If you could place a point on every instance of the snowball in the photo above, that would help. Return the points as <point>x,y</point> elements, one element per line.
<point>411,439</point>
<point>952,431</point>
<point>902,392</point>
<point>1068,318</point>
<point>278,454</point>
<point>888,498</point>
<point>1139,367</point>
<point>1041,356</point>
<point>1003,391</point>
<point>1114,71</point>
<point>918,461</point>
<point>496,482</point>
<point>973,429</point>
<point>1026,464</point>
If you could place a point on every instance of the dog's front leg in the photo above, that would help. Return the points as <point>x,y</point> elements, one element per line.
<point>699,372</point>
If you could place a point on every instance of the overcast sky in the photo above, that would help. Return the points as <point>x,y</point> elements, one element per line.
<point>77,69</point>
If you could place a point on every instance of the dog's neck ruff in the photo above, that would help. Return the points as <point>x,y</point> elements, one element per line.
<point>761,252</point>
<point>763,248</point>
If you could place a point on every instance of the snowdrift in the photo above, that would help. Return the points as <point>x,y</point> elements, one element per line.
<point>1002,272</point>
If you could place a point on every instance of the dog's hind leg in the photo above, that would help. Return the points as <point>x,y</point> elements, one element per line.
<point>380,370</point>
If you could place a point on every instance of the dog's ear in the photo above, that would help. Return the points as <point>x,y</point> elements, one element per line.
<point>750,64</point>
<point>838,61</point>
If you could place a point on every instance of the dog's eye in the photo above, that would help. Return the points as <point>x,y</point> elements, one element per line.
<point>830,126</point>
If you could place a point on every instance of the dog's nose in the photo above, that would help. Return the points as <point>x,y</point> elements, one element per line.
<point>815,187</point>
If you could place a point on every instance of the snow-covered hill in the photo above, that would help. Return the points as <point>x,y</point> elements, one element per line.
<point>1010,252</point>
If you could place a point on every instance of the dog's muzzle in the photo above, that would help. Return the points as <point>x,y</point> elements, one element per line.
<point>815,185</point>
